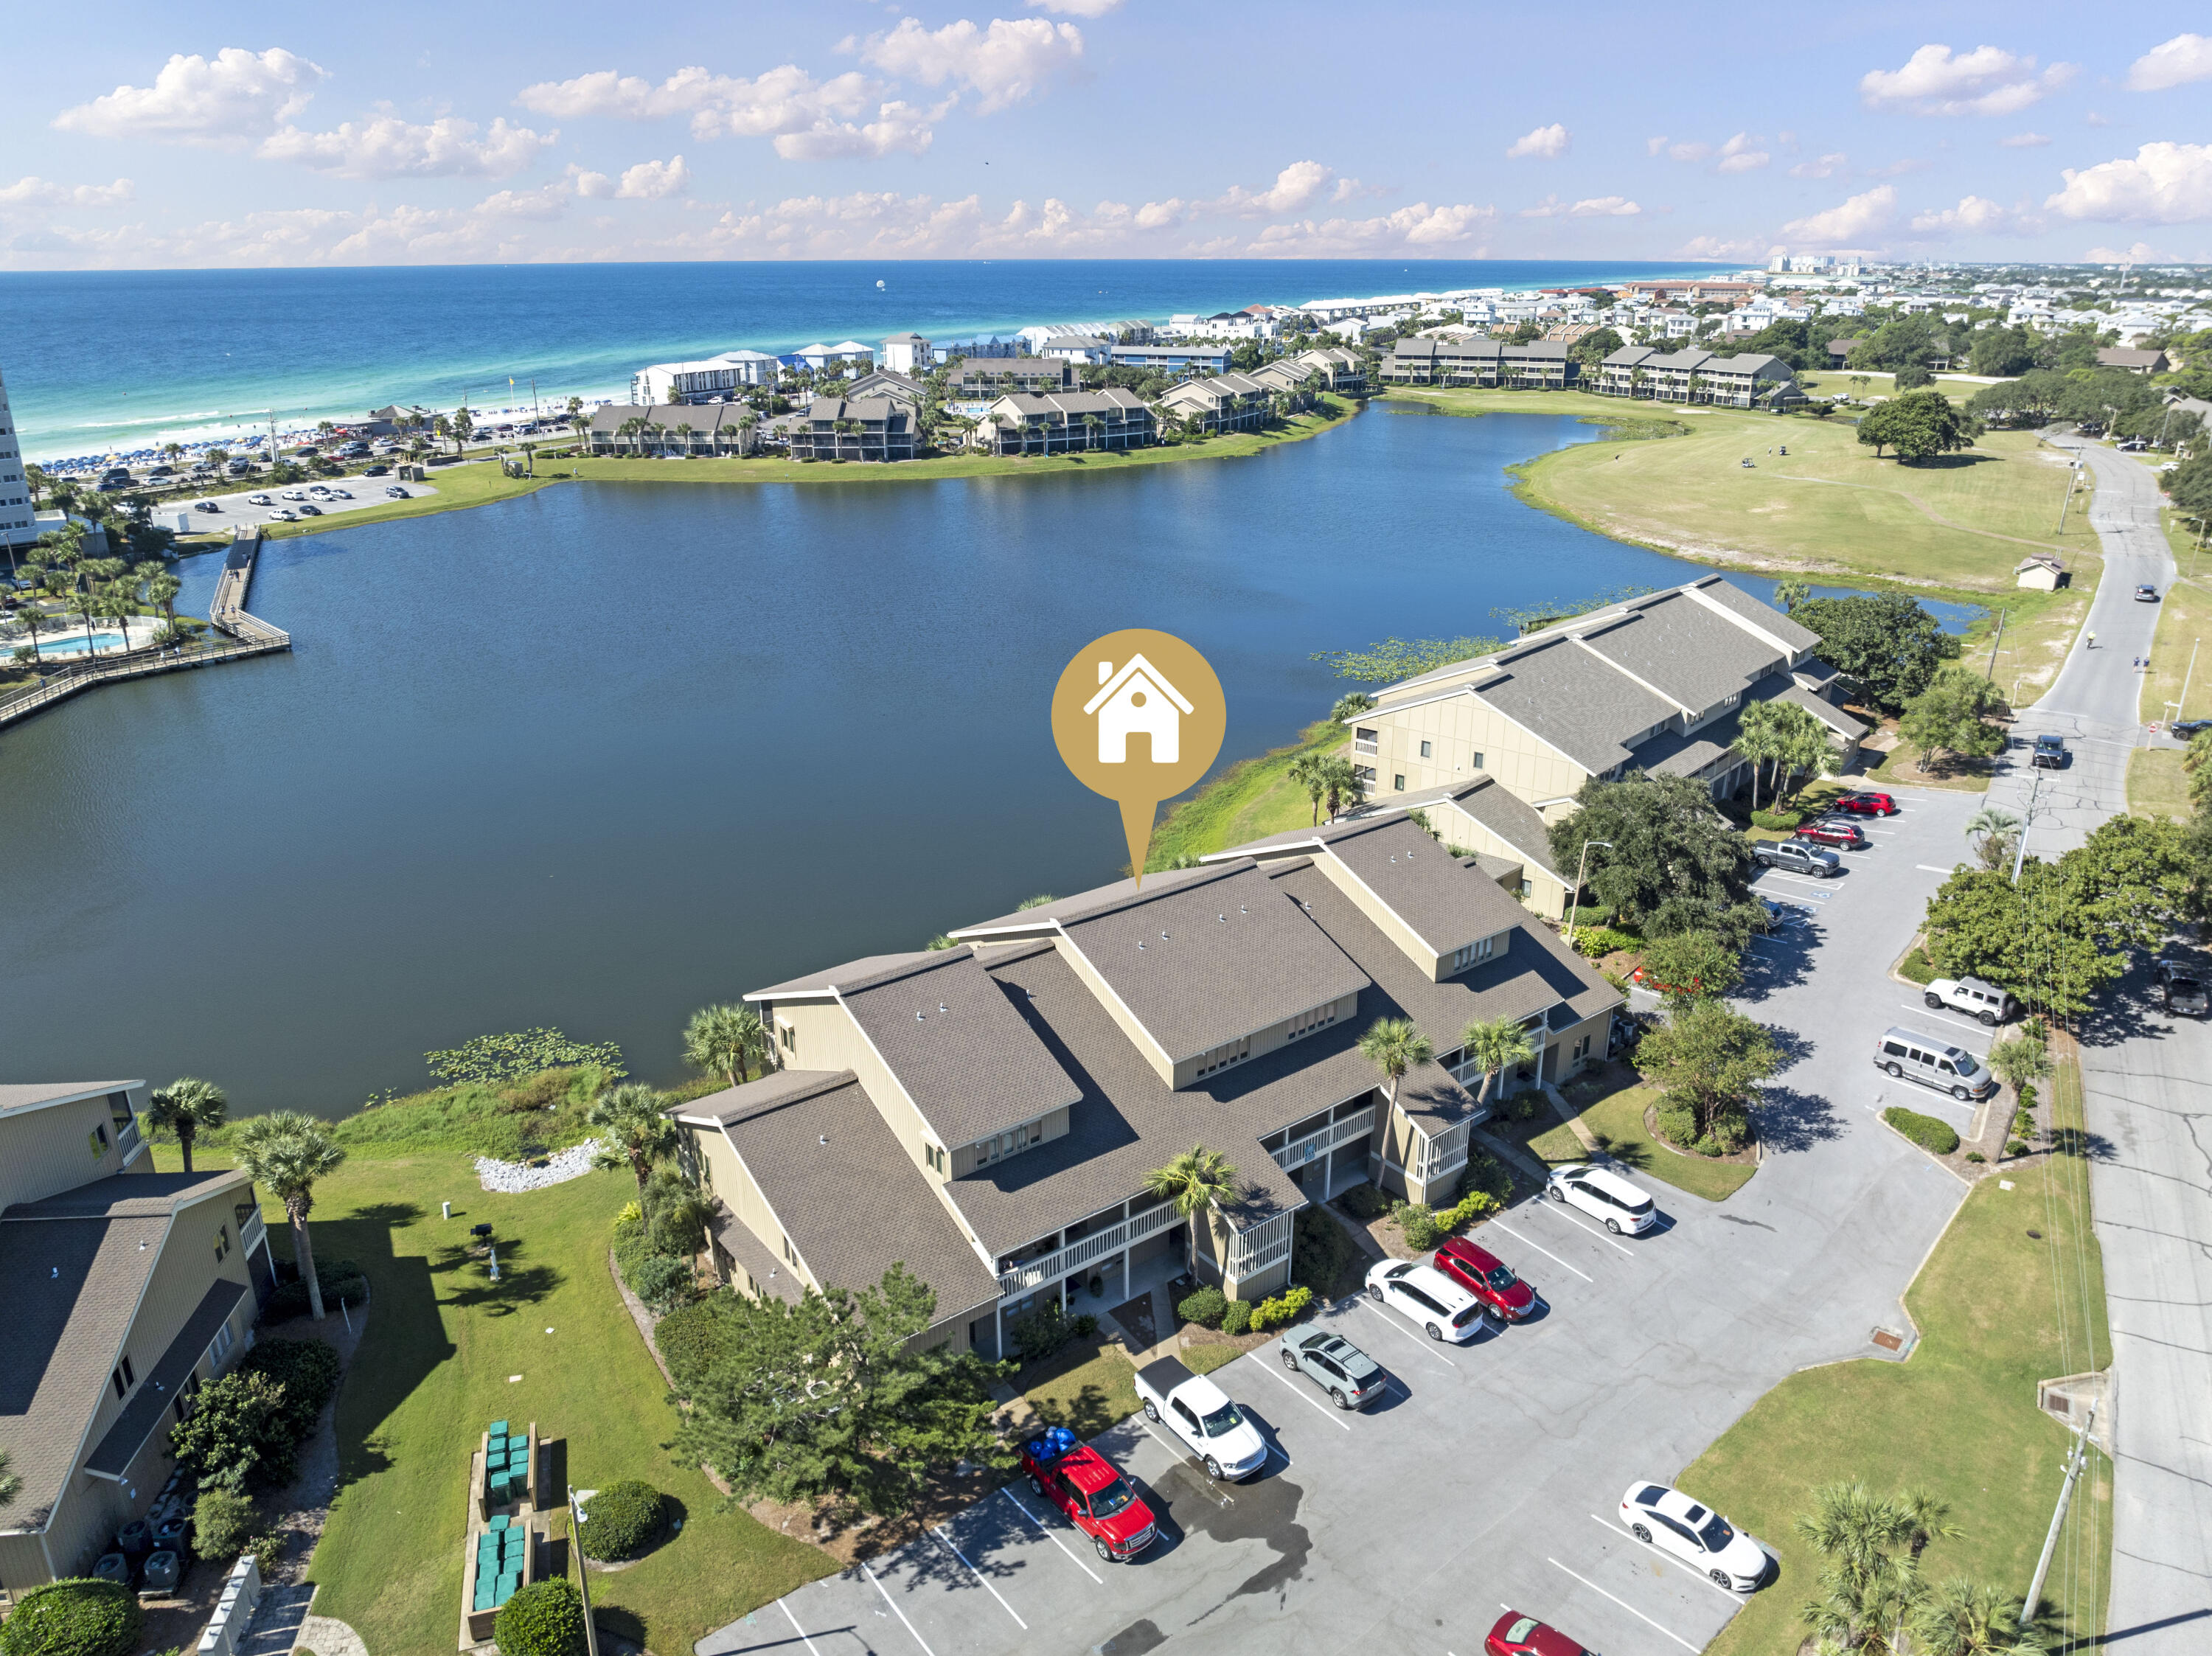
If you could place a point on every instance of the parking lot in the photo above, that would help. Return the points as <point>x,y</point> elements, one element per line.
<point>1491,1474</point>
<point>366,491</point>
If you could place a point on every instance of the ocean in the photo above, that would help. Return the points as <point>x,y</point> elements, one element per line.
<point>102,361</point>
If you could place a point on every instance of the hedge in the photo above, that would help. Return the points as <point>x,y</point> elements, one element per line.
<point>1236,1316</point>
<point>342,1279</point>
<point>223,1522</point>
<point>626,1520</point>
<point>79,1618</point>
<point>306,1369</point>
<point>1206,1307</point>
<point>1596,941</point>
<point>1777,821</point>
<point>544,1618</point>
<point>1937,1138</point>
<point>1281,1308</point>
<point>693,1339</point>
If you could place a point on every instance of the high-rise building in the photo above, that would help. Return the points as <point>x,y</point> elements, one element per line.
<point>18,521</point>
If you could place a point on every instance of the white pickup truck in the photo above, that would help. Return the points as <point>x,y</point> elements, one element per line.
<point>1200,1415</point>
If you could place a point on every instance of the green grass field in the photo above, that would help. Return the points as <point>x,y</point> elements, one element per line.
<point>448,1350</point>
<point>1616,1119</point>
<point>1253,799</point>
<point>1959,1418</point>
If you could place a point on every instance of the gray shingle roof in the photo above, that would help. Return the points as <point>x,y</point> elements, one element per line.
<point>830,977</point>
<point>1583,707</point>
<point>1765,617</point>
<point>751,1256</point>
<point>129,1196</point>
<point>1507,815</point>
<point>1683,650</point>
<point>157,1391</point>
<point>29,1094</point>
<point>1212,959</point>
<point>1410,874</point>
<point>859,1204</point>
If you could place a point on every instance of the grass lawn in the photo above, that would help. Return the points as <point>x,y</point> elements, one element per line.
<point>1251,799</point>
<point>1086,1387</point>
<point>2040,628</point>
<point>1961,522</point>
<point>1900,768</point>
<point>1616,1119</point>
<point>1959,1418</point>
<point>2157,786</point>
<point>1558,1147</point>
<point>448,1351</point>
<point>2184,620</point>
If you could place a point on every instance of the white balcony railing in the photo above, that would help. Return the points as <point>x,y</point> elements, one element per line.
<point>1299,1151</point>
<point>1434,1158</point>
<point>251,1233</point>
<point>1031,1274</point>
<point>1252,1251</point>
<point>126,1135</point>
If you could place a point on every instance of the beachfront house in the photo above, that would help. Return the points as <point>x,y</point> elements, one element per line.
<point>122,1291</point>
<point>1174,360</point>
<point>701,429</point>
<point>730,375</point>
<point>1077,348</point>
<point>848,357</point>
<point>1056,422</point>
<point>1657,683</point>
<point>986,1114</point>
<point>851,428</point>
<point>18,519</point>
<point>908,353</point>
<point>1228,401</point>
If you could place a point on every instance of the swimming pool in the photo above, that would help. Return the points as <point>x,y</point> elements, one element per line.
<point>77,646</point>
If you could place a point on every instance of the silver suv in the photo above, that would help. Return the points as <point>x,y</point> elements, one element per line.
<point>1795,857</point>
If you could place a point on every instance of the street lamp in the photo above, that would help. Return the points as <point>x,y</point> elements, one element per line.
<point>1575,897</point>
<point>576,1498</point>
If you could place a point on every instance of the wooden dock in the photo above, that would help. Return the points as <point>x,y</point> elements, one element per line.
<point>240,635</point>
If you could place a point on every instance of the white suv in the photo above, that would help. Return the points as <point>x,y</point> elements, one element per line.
<point>1670,1520</point>
<point>1985,1001</point>
<point>1604,1195</point>
<point>1434,1302</point>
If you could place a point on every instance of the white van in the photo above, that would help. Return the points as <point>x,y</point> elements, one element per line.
<point>1933,1063</point>
<point>1603,1194</point>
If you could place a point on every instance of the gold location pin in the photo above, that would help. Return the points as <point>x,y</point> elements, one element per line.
<point>1139,716</point>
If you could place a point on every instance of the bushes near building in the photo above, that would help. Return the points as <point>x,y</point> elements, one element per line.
<point>1206,1307</point>
<point>81,1617</point>
<point>544,1618</point>
<point>246,1426</point>
<point>1937,1137</point>
<point>223,1522</point>
<point>626,1519</point>
<point>340,1280</point>
<point>1236,1316</point>
<point>1281,1309</point>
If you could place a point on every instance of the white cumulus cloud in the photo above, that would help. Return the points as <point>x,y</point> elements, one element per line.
<point>1822,167</point>
<point>1723,248</point>
<point>1545,143</point>
<point>1742,154</point>
<point>1977,215</point>
<point>1001,63</point>
<point>651,180</point>
<point>1297,186</point>
<point>1589,207</point>
<point>389,148</point>
<point>35,191</point>
<point>1987,80</point>
<point>2160,183</point>
<point>2141,253</point>
<point>227,99</point>
<point>808,119</point>
<point>2185,59</point>
<point>1860,219</point>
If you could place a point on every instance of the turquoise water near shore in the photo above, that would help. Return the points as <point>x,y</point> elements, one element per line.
<point>123,360</point>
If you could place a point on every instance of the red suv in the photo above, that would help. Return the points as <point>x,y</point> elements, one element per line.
<point>1097,1500</point>
<point>1486,1276</point>
<point>1833,831</point>
<point>1865,805</point>
<point>1516,1634</point>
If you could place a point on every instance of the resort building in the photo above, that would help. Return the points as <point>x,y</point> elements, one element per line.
<point>1657,683</point>
<point>1342,371</point>
<point>18,519</point>
<point>1174,359</point>
<point>1057,421</point>
<point>850,354</point>
<point>1228,401</point>
<point>706,429</point>
<point>851,428</point>
<point>1077,348</point>
<point>986,1114</point>
<point>887,382</point>
<point>908,353</point>
<point>122,1291</point>
<point>980,377</point>
<point>1696,375</point>
<point>1541,365</point>
<point>722,376</point>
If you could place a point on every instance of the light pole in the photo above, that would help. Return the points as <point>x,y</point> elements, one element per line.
<point>576,1496</point>
<point>1575,897</point>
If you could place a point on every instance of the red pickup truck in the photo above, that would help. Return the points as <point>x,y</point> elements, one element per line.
<point>1097,1500</point>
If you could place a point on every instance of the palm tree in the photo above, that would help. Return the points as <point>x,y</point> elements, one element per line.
<point>1927,1518</point>
<point>1092,425</point>
<point>1197,1181</point>
<point>1992,830</point>
<point>184,1107</point>
<point>1759,738</point>
<point>1394,1045</point>
<point>1308,772</point>
<point>1962,1618</point>
<point>287,1151</point>
<point>683,431</point>
<point>724,1037</point>
<point>631,1113</point>
<point>1498,1046</point>
<point>1340,784</point>
<point>1869,1584</point>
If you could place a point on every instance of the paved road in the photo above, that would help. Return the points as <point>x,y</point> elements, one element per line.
<point>2094,700</point>
<point>1492,1475</point>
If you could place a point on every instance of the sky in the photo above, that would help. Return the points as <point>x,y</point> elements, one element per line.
<point>188,135</point>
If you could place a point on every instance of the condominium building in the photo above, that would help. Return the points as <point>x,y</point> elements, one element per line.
<point>701,381</point>
<point>851,428</point>
<point>18,519</point>
<point>1541,365</point>
<point>708,428</point>
<point>1188,358</point>
<point>906,353</point>
<point>1057,421</point>
<point>986,1114</point>
<point>1657,683</point>
<point>1696,375</point>
<point>123,1290</point>
<point>982,377</point>
<point>1228,401</point>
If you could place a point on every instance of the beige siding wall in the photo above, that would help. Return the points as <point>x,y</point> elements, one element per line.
<point>1456,728</point>
<point>44,1152</point>
<point>1547,894</point>
<point>1268,1040</point>
<point>738,1192</point>
<point>23,1564</point>
<point>1146,1045</point>
<point>1561,1060</point>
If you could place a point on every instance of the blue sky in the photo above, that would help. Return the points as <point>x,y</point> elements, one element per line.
<point>191,135</point>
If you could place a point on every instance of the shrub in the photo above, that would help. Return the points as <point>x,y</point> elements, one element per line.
<point>341,1279</point>
<point>268,1551</point>
<point>1590,914</point>
<point>2017,1147</point>
<point>1364,1201</point>
<point>1206,1307</point>
<point>544,1618</point>
<point>1042,1333</point>
<point>223,1521</point>
<point>1932,1135</point>
<point>1320,1251</point>
<point>236,1432</point>
<point>1237,1316</point>
<point>693,1339</point>
<point>73,1618</point>
<point>665,1282</point>
<point>1417,1224</point>
<point>1470,1207</point>
<point>1777,820</point>
<point>1285,1307</point>
<point>1525,1105</point>
<point>1917,967</point>
<point>626,1519</point>
<point>1677,1122</point>
<point>306,1369</point>
<point>1976,1155</point>
<point>1487,1174</point>
<point>1596,941</point>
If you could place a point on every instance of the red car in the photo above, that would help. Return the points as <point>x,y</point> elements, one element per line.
<point>1517,1634</point>
<point>1486,1276</point>
<point>1097,1500</point>
<point>1832,831</point>
<point>1865,805</point>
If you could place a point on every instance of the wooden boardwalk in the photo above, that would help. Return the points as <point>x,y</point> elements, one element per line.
<point>240,635</point>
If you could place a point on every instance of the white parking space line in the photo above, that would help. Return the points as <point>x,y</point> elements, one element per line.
<point>1794,879</point>
<point>1421,1340</point>
<point>1927,1015</point>
<point>978,1574</point>
<point>1539,1248</point>
<point>896,1610</point>
<point>1299,1391</point>
<point>1558,1210</point>
<point>1930,868</point>
<point>1623,1603</point>
<point>1054,1539</point>
<point>798,1630</point>
<point>1702,1577</point>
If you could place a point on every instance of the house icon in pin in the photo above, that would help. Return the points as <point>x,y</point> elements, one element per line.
<point>1136,698</point>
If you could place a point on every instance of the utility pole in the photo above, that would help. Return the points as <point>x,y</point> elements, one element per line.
<point>2026,822</point>
<point>584,1567</point>
<point>2181,707</point>
<point>2074,1462</point>
<point>2071,478</point>
<point>1992,673</point>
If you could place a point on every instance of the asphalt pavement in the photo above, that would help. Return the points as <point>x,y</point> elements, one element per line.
<point>1491,1475</point>
<point>235,510</point>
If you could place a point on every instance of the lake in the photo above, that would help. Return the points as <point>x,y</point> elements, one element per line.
<point>598,756</point>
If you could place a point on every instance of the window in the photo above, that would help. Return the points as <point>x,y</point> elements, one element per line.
<point>123,1378</point>
<point>1473,954</point>
<point>789,1035</point>
<point>221,1243</point>
<point>1476,761</point>
<point>224,1339</point>
<point>1221,1057</point>
<point>1398,782</point>
<point>790,1254</point>
<point>1365,774</point>
<point>1426,750</point>
<point>932,1156</point>
<point>1009,1144</point>
<point>1363,741</point>
<point>1306,1022</point>
<point>97,1141</point>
